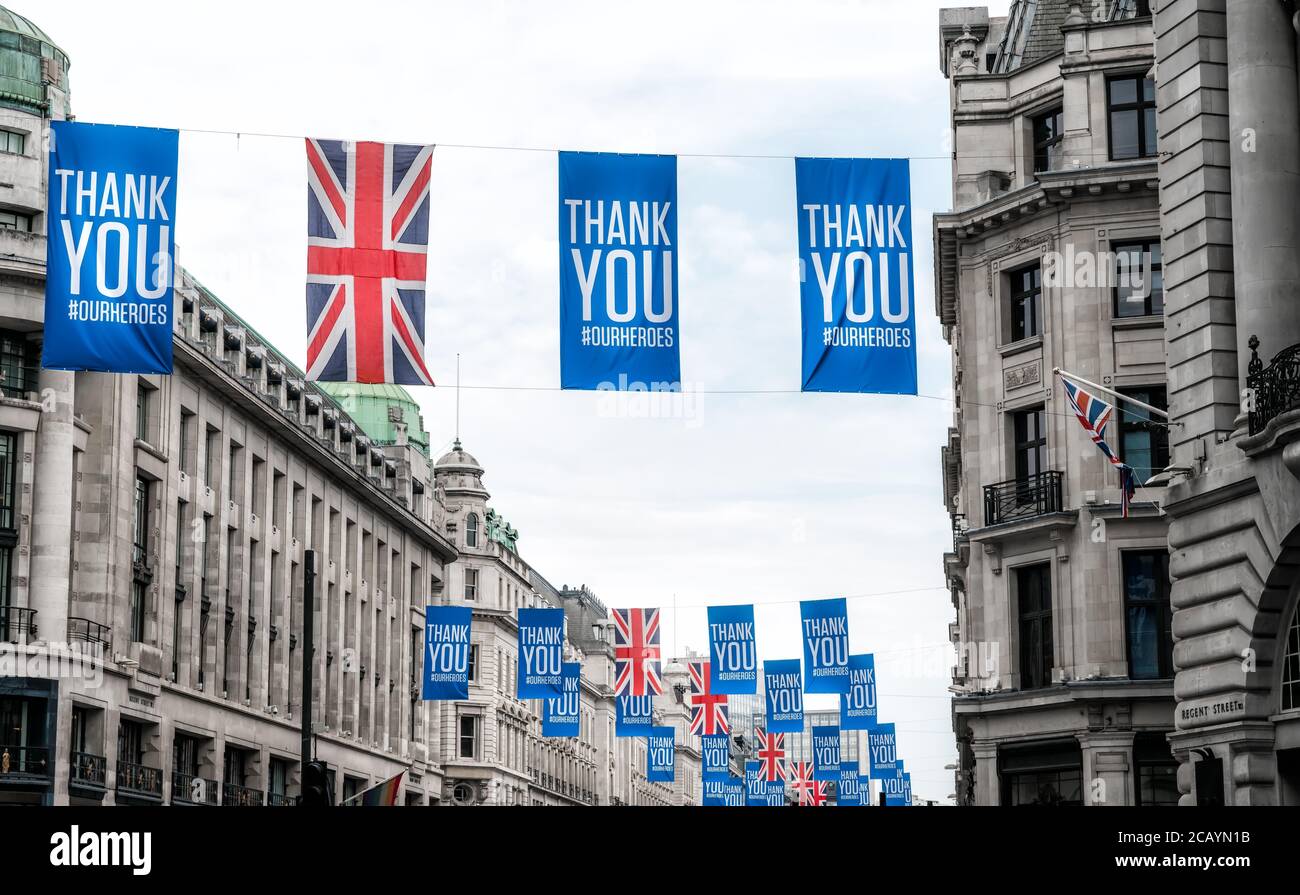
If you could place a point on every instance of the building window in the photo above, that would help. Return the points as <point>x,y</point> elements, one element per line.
<point>1034,596</point>
<point>468,747</point>
<point>1049,775</point>
<point>471,584</point>
<point>186,462</point>
<point>471,530</point>
<point>1026,302</point>
<point>1143,441</point>
<point>143,397</point>
<point>473,662</point>
<point>1132,105</point>
<point>210,449</point>
<point>12,220</point>
<point>13,143</point>
<point>8,481</point>
<point>139,555</point>
<point>1148,616</point>
<point>1291,665</point>
<point>17,365</point>
<point>1139,279</point>
<point>1049,132</point>
<point>1157,771</point>
<point>1030,434</point>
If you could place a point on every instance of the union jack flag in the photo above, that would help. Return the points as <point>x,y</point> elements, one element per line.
<point>771,752</point>
<point>810,792</point>
<point>636,652</point>
<point>1095,415</point>
<point>708,709</point>
<point>367,242</point>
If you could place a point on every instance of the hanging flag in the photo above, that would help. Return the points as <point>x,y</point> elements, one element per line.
<point>826,754</point>
<point>729,793</point>
<point>858,703</point>
<point>541,653</point>
<point>618,272</point>
<point>367,243</point>
<point>849,791</point>
<point>110,237</point>
<point>759,791</point>
<point>563,717</point>
<point>1094,415</point>
<point>716,750</point>
<point>633,715</point>
<point>855,230</point>
<point>771,754</point>
<point>384,795</point>
<point>636,652</point>
<point>732,659</point>
<point>825,645</point>
<point>883,749</point>
<point>661,755</point>
<point>897,787</point>
<point>783,689</point>
<point>708,709</point>
<point>811,792</point>
<point>446,652</point>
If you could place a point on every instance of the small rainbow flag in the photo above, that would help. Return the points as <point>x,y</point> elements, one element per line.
<point>384,794</point>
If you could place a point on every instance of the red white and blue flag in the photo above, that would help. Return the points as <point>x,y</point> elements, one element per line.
<point>811,793</point>
<point>1095,415</point>
<point>708,709</point>
<point>367,243</point>
<point>636,652</point>
<point>771,755</point>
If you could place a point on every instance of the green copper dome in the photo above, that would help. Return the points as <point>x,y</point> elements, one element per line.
<point>377,409</point>
<point>28,59</point>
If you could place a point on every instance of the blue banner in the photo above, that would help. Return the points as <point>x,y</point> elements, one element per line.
<point>858,703</point>
<point>733,666</point>
<point>727,793</point>
<point>661,755</point>
<point>826,754</point>
<point>825,645</point>
<point>633,715</point>
<point>446,652</point>
<point>563,717</point>
<point>855,231</point>
<point>618,272</point>
<point>783,688</point>
<point>897,787</point>
<point>883,749</point>
<point>110,224</point>
<point>541,653</point>
<point>849,791</point>
<point>758,791</point>
<point>717,754</point>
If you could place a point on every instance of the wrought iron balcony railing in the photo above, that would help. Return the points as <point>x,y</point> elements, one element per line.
<point>960,531</point>
<point>193,790</point>
<point>139,779</point>
<point>1274,389</point>
<point>1036,495</point>
<point>278,799</point>
<point>232,794</point>
<point>90,632</point>
<point>21,764</point>
<point>17,625</point>
<point>88,770</point>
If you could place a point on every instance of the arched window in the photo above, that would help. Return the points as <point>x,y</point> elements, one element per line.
<point>471,530</point>
<point>1291,664</point>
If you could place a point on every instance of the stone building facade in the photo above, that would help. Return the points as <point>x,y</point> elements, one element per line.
<point>1229,110</point>
<point>1064,691</point>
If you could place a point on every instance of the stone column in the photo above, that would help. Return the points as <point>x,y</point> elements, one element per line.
<point>52,506</point>
<point>988,788</point>
<point>1108,768</point>
<point>1264,118</point>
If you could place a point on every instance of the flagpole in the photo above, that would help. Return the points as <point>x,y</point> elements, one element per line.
<point>1164,415</point>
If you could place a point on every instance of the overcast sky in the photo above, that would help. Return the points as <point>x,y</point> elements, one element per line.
<point>747,498</point>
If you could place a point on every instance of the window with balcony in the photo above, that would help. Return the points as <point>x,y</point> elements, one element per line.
<point>1139,279</point>
<point>23,751</point>
<point>1030,432</point>
<point>1034,605</point>
<point>1026,301</point>
<point>1049,133</point>
<point>1035,490</point>
<point>1143,441</point>
<point>17,365</point>
<point>1148,615</point>
<point>132,774</point>
<point>1131,102</point>
<point>12,621</point>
